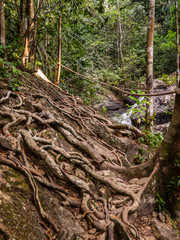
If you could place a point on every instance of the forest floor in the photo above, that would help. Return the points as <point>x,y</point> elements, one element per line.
<point>66,171</point>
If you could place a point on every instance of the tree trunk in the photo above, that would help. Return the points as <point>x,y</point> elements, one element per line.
<point>177,41</point>
<point>149,66</point>
<point>120,31</point>
<point>168,157</point>
<point>31,29</point>
<point>59,53</point>
<point>29,33</point>
<point>2,27</point>
<point>23,15</point>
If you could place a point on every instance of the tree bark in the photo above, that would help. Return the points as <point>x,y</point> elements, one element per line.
<point>59,53</point>
<point>23,15</point>
<point>31,29</point>
<point>2,27</point>
<point>29,35</point>
<point>177,41</point>
<point>149,65</point>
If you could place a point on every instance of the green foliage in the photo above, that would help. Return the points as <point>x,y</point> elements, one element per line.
<point>173,186</point>
<point>170,107</point>
<point>91,40</point>
<point>108,76</point>
<point>168,79</point>
<point>104,109</point>
<point>165,53</point>
<point>140,157</point>
<point>140,108</point>
<point>9,71</point>
<point>160,202</point>
<point>152,139</point>
<point>1,50</point>
<point>84,88</point>
<point>14,84</point>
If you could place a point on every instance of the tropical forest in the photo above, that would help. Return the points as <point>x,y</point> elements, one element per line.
<point>89,120</point>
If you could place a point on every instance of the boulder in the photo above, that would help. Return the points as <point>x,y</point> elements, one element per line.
<point>162,231</point>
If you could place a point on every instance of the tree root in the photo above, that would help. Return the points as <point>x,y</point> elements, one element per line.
<point>75,162</point>
<point>127,127</point>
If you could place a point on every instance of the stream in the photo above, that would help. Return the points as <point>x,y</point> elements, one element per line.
<point>117,109</point>
<point>125,118</point>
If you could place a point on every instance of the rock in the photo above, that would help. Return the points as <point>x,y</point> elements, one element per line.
<point>6,143</point>
<point>144,219</point>
<point>29,106</point>
<point>68,167</point>
<point>109,106</point>
<point>163,231</point>
<point>142,181</point>
<point>129,101</point>
<point>20,209</point>
<point>79,173</point>
<point>134,180</point>
<point>93,231</point>
<point>154,214</point>
<point>176,208</point>
<point>150,238</point>
<point>141,238</point>
<point>161,217</point>
<point>104,192</point>
<point>162,128</point>
<point>147,231</point>
<point>162,118</point>
<point>130,148</point>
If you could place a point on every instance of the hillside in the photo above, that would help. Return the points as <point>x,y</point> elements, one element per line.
<point>66,172</point>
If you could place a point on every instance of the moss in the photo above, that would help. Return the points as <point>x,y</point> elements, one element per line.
<point>17,210</point>
<point>15,179</point>
<point>61,136</point>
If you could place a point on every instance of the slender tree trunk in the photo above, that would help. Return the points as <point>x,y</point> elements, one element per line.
<point>29,33</point>
<point>31,29</point>
<point>23,15</point>
<point>59,53</point>
<point>2,27</point>
<point>177,41</point>
<point>120,32</point>
<point>149,65</point>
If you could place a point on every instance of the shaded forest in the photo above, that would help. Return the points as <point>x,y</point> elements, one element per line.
<point>68,169</point>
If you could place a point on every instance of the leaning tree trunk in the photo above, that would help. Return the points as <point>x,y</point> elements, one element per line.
<point>2,27</point>
<point>149,66</point>
<point>177,41</point>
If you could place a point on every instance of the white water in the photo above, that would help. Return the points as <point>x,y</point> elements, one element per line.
<point>125,118</point>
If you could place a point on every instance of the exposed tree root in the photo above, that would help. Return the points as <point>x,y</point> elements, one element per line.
<point>127,127</point>
<point>84,169</point>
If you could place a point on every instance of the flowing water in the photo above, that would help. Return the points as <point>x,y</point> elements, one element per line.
<point>125,118</point>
